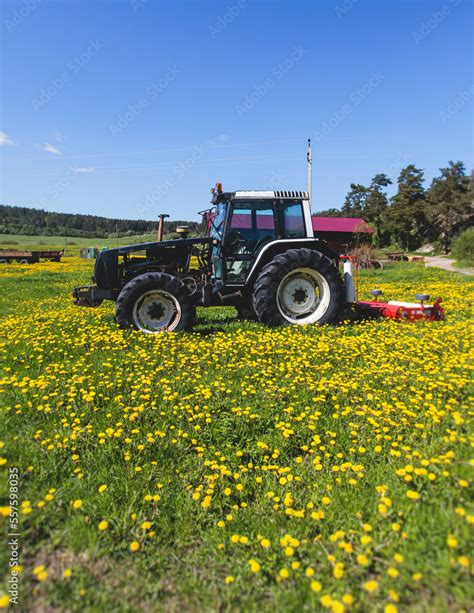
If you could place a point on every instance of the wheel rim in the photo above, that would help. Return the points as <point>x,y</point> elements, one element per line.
<point>156,311</point>
<point>303,296</point>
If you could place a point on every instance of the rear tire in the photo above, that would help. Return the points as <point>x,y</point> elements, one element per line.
<point>300,286</point>
<point>245,311</point>
<point>155,302</point>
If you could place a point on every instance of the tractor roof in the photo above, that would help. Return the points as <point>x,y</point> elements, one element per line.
<point>256,194</point>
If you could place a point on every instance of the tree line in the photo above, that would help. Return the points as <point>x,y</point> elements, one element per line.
<point>30,221</point>
<point>414,215</point>
<point>410,218</point>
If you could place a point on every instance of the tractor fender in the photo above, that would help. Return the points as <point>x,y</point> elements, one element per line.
<point>273,248</point>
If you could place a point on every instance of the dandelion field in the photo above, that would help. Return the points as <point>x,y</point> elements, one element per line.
<point>237,467</point>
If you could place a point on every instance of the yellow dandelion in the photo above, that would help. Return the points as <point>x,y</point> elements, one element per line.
<point>371,586</point>
<point>326,601</point>
<point>452,541</point>
<point>254,566</point>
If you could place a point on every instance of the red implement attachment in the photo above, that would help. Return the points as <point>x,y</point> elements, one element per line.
<point>403,311</point>
<point>394,309</point>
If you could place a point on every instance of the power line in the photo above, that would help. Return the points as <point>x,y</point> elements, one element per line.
<point>200,163</point>
<point>176,164</point>
<point>209,144</point>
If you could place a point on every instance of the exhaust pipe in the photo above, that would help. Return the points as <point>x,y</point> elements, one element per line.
<point>161,226</point>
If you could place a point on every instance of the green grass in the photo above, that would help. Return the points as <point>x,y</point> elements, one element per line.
<point>71,244</point>
<point>305,413</point>
<point>464,265</point>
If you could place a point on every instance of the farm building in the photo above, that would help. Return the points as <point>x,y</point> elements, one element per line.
<point>342,233</point>
<point>89,253</point>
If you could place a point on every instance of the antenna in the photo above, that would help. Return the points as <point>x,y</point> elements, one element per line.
<point>310,174</point>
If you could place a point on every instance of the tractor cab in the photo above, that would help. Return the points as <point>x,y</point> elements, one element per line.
<point>243,224</point>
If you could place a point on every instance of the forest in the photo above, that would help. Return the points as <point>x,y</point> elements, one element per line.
<point>30,221</point>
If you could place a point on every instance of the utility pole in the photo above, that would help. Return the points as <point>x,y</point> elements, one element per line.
<point>161,225</point>
<point>310,174</point>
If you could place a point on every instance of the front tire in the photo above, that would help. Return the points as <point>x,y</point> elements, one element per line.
<point>300,286</point>
<point>155,302</point>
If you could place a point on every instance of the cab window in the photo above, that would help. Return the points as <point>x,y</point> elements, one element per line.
<point>292,221</point>
<point>250,227</point>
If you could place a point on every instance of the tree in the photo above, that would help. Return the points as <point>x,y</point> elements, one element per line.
<point>329,213</point>
<point>450,208</point>
<point>463,247</point>
<point>355,201</point>
<point>376,206</point>
<point>370,203</point>
<point>406,215</point>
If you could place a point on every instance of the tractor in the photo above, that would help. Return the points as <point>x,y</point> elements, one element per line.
<point>257,253</point>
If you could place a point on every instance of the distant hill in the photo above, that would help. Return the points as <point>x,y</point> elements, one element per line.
<point>36,222</point>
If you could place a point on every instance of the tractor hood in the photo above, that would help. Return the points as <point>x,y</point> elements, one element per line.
<point>106,271</point>
<point>175,242</point>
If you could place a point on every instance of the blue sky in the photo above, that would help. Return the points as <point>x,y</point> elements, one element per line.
<point>135,107</point>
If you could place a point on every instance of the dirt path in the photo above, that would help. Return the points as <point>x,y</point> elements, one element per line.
<point>446,263</point>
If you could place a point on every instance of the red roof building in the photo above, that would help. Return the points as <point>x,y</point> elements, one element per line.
<point>342,233</point>
<point>341,224</point>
